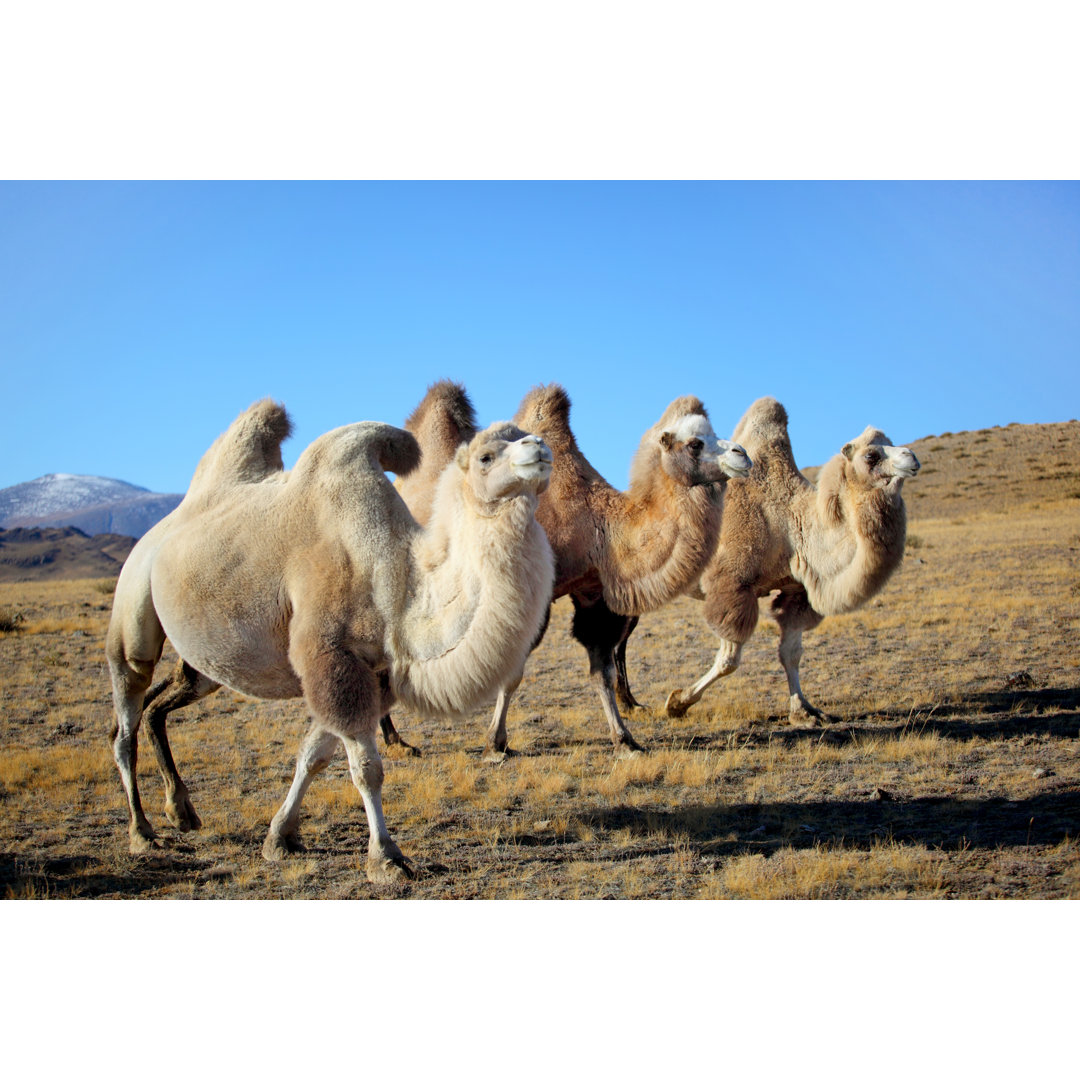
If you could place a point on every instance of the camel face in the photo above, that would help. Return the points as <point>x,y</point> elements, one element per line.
<point>876,462</point>
<point>503,462</point>
<point>691,452</point>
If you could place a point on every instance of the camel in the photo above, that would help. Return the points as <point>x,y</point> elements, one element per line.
<point>824,549</point>
<point>318,583</point>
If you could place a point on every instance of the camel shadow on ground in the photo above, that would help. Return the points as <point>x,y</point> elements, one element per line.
<point>1004,714</point>
<point>726,829</point>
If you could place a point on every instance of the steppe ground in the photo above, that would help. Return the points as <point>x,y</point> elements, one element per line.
<point>950,767</point>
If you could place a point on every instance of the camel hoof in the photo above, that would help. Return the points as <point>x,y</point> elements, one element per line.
<point>803,714</point>
<point>400,749</point>
<point>675,705</point>
<point>138,844</point>
<point>496,757</point>
<point>278,846</point>
<point>629,703</point>
<point>183,817</point>
<point>627,751</point>
<point>389,869</point>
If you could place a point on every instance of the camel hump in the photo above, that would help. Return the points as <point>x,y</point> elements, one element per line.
<point>368,445</point>
<point>763,433</point>
<point>687,405</point>
<point>248,450</point>
<point>544,409</point>
<point>764,425</point>
<point>446,407</point>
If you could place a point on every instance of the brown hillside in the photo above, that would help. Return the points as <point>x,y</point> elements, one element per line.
<point>50,554</point>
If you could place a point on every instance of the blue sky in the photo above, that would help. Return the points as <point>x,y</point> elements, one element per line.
<point>137,319</point>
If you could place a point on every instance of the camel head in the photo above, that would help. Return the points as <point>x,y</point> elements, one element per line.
<point>502,462</point>
<point>876,463</point>
<point>685,446</point>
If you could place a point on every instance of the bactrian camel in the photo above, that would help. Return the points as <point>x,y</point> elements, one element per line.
<point>824,549</point>
<point>319,583</point>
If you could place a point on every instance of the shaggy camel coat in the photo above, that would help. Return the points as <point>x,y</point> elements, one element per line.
<point>319,583</point>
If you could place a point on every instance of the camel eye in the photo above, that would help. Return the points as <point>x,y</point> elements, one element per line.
<point>695,446</point>
<point>486,459</point>
<point>871,457</point>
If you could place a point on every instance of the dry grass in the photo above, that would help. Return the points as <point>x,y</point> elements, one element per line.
<point>951,767</point>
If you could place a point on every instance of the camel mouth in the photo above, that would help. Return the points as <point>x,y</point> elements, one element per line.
<point>904,463</point>
<point>734,461</point>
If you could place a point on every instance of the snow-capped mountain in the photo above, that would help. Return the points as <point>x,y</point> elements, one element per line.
<point>93,504</point>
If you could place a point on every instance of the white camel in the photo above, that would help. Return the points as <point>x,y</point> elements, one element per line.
<point>319,583</point>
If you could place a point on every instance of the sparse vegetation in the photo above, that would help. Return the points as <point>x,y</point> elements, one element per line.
<point>951,767</point>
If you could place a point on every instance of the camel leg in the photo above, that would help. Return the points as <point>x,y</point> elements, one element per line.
<point>347,698</point>
<point>133,648</point>
<point>385,863</point>
<point>794,614</point>
<point>392,738</point>
<point>622,684</point>
<point>183,686</point>
<point>599,630</point>
<point>495,741</point>
<point>495,749</point>
<point>727,660</point>
<point>315,753</point>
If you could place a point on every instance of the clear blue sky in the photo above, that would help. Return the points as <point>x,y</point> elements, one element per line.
<point>137,319</point>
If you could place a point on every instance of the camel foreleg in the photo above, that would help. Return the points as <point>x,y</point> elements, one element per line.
<point>794,614</point>
<point>495,749</point>
<point>727,660</point>
<point>315,754</point>
<point>385,863</point>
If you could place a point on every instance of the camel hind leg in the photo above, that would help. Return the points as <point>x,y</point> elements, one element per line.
<point>181,687</point>
<point>599,630</point>
<point>133,647</point>
<point>623,693</point>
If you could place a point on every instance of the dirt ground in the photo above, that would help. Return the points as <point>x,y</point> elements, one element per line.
<point>950,765</point>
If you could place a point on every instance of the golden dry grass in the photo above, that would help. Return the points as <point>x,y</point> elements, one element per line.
<point>951,767</point>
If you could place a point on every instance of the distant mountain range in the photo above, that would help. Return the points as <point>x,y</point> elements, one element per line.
<point>92,504</point>
<point>45,553</point>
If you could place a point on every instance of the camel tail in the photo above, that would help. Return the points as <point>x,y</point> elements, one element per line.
<point>396,450</point>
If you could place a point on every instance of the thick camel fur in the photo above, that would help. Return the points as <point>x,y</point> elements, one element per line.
<point>319,583</point>
<point>823,549</point>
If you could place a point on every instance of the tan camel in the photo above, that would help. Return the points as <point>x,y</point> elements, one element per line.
<point>827,549</point>
<point>319,583</point>
<point>620,554</point>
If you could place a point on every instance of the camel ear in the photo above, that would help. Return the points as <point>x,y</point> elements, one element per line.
<point>462,458</point>
<point>667,440</point>
<point>848,451</point>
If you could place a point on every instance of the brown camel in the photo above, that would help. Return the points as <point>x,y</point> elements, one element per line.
<point>319,583</point>
<point>823,550</point>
